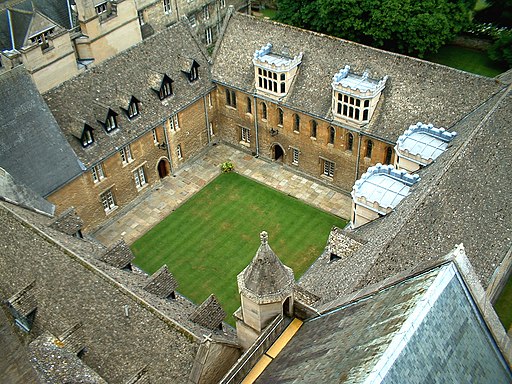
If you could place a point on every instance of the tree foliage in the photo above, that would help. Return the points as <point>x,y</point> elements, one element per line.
<point>407,26</point>
<point>501,50</point>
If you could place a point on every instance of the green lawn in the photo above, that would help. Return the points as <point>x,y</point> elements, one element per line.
<point>214,235</point>
<point>469,60</point>
<point>503,305</point>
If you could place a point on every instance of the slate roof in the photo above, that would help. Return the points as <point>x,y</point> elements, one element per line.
<point>119,255</point>
<point>463,197</point>
<point>15,193</point>
<point>68,222</point>
<point>162,283</point>
<point>130,73</point>
<point>209,314</point>
<point>32,147</point>
<point>416,90</point>
<point>266,276</point>
<point>424,328</point>
<point>24,301</point>
<point>29,14</point>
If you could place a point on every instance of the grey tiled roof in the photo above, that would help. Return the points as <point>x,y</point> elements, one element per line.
<point>16,193</point>
<point>416,90</point>
<point>463,197</point>
<point>38,157</point>
<point>55,364</point>
<point>22,16</point>
<point>162,283</point>
<point>141,377</point>
<point>115,81</point>
<point>24,301</point>
<point>209,314</point>
<point>421,328</point>
<point>73,338</point>
<point>119,255</point>
<point>71,290</point>
<point>68,222</point>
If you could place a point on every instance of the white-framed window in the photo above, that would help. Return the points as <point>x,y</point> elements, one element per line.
<point>295,156</point>
<point>167,6</point>
<point>97,173</point>
<point>271,81</point>
<point>174,123</point>
<point>87,138</point>
<point>206,12</point>
<point>192,20</point>
<point>101,8</point>
<point>352,107</point>
<point>194,73</point>
<point>210,127</point>
<point>179,153</point>
<point>210,100</point>
<point>133,109</point>
<point>208,34</point>
<point>165,89</point>
<point>328,168</point>
<point>111,123</point>
<point>155,136</point>
<point>139,177</point>
<point>126,154</point>
<point>245,134</point>
<point>141,16</point>
<point>222,3</point>
<point>108,201</point>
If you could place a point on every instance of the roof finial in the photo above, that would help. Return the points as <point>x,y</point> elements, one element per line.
<point>264,237</point>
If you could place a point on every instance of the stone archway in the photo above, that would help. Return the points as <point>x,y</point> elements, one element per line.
<point>164,168</point>
<point>277,152</point>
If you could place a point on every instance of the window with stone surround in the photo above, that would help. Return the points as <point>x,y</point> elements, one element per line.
<point>208,35</point>
<point>140,177</point>
<point>206,12</point>
<point>179,153</point>
<point>133,108</point>
<point>223,3</point>
<point>154,133</point>
<point>296,123</point>
<point>280,116</point>
<point>245,135</point>
<point>327,168</point>
<point>111,122</point>
<point>167,7</point>
<point>295,156</point>
<point>332,134</point>
<point>174,123</point>
<point>108,201</point>
<point>313,127</point>
<point>264,112</point>
<point>230,98</point>
<point>249,105</point>
<point>369,149</point>
<point>126,154</point>
<point>87,137</point>
<point>389,155</point>
<point>350,141</point>
<point>97,173</point>
<point>165,88</point>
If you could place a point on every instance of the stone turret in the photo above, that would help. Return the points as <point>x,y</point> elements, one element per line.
<point>266,291</point>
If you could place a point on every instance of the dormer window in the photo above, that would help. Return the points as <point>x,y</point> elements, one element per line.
<point>165,88</point>
<point>355,96</point>
<point>133,108</point>
<point>273,71</point>
<point>191,68</point>
<point>111,122</point>
<point>42,38</point>
<point>194,74</point>
<point>87,137</point>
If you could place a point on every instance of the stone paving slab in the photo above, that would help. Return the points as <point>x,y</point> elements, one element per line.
<point>161,200</point>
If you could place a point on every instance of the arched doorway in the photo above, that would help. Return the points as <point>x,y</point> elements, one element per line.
<point>164,168</point>
<point>277,152</point>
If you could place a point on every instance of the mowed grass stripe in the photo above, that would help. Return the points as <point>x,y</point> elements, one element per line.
<point>213,236</point>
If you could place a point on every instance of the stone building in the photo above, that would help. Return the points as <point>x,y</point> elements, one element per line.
<point>133,120</point>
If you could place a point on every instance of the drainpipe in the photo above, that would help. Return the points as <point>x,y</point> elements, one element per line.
<point>168,146</point>
<point>207,120</point>
<point>360,139</point>
<point>256,126</point>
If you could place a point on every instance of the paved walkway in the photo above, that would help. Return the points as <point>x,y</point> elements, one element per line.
<point>153,206</point>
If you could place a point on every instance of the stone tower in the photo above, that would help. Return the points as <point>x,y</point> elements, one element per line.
<point>266,291</point>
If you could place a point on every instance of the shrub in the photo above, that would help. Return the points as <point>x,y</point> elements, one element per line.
<point>227,166</point>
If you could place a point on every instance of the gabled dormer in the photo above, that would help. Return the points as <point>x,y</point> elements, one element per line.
<point>190,67</point>
<point>274,72</point>
<point>23,307</point>
<point>83,132</point>
<point>355,97</point>
<point>132,109</point>
<point>163,87</point>
<point>106,116</point>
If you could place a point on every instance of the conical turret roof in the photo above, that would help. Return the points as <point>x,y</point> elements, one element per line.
<point>266,277</point>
